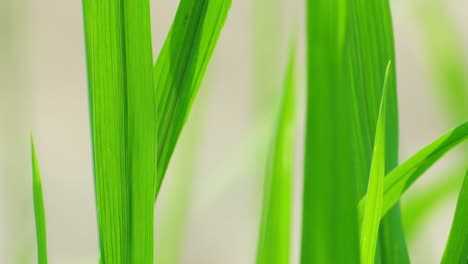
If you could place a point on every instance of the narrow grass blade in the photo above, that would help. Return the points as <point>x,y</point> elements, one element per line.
<point>107,98</point>
<point>402,177</point>
<point>141,127</point>
<point>456,249</point>
<point>180,68</point>
<point>275,231</point>
<point>39,211</point>
<point>418,207</point>
<point>371,221</point>
<point>123,123</point>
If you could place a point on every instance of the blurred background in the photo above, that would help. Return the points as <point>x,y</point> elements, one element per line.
<point>208,210</point>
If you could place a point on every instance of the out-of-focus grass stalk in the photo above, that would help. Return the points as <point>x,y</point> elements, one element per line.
<point>447,60</point>
<point>14,109</point>
<point>170,236</point>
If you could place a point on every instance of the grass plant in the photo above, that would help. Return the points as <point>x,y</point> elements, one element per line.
<point>353,180</point>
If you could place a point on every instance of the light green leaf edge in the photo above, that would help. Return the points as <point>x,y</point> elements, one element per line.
<point>39,211</point>
<point>402,177</point>
<point>371,218</point>
<point>274,243</point>
<point>180,68</point>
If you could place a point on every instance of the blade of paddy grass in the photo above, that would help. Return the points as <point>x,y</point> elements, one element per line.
<point>345,87</point>
<point>416,209</point>
<point>275,229</point>
<point>456,249</point>
<point>39,211</point>
<point>123,124</point>
<point>141,127</point>
<point>325,237</point>
<point>402,177</point>
<point>180,68</point>
<point>372,46</point>
<point>371,219</point>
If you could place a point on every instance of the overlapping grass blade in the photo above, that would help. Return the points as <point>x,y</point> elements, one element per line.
<point>371,219</point>
<point>123,123</point>
<point>275,230</point>
<point>39,211</point>
<point>456,249</point>
<point>345,87</point>
<point>402,177</point>
<point>180,68</point>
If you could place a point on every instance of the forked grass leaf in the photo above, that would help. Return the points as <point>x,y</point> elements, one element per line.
<point>180,68</point>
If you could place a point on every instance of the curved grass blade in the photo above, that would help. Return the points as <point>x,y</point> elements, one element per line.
<point>123,123</point>
<point>402,177</point>
<point>180,68</point>
<point>456,249</point>
<point>371,219</point>
<point>275,230</point>
<point>39,211</point>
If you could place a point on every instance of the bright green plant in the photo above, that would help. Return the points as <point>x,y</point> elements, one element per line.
<point>352,180</point>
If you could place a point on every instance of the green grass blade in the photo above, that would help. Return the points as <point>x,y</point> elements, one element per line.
<point>418,207</point>
<point>180,68</point>
<point>456,249</point>
<point>107,98</point>
<point>371,219</point>
<point>402,177</point>
<point>123,124</point>
<point>275,230</point>
<point>326,238</point>
<point>39,211</point>
<point>344,94</point>
<point>141,127</point>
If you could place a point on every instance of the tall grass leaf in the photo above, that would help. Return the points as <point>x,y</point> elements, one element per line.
<point>456,249</point>
<point>141,127</point>
<point>180,68</point>
<point>402,177</point>
<point>123,124</point>
<point>329,194</point>
<point>275,231</point>
<point>346,58</point>
<point>39,211</point>
<point>371,221</point>
<point>417,208</point>
<point>371,46</point>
